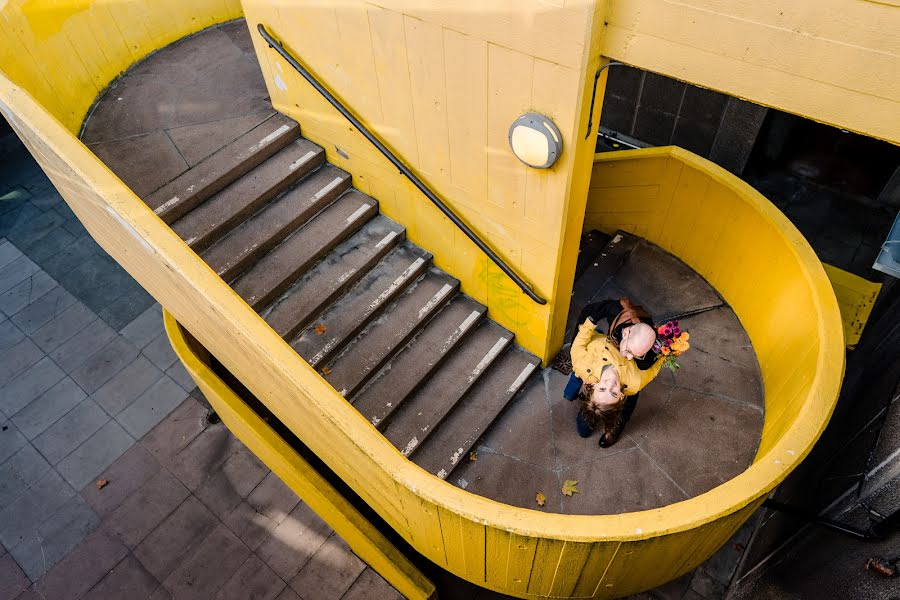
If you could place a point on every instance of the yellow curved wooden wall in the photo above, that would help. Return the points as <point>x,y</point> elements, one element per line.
<point>517,551</point>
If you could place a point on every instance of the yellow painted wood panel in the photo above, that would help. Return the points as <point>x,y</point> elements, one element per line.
<point>770,63</point>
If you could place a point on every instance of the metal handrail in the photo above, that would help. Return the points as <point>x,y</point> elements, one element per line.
<point>399,164</point>
<point>590,124</point>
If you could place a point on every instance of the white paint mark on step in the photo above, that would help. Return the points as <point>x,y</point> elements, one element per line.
<point>462,483</point>
<point>442,474</point>
<point>357,214</point>
<point>270,138</point>
<point>396,283</point>
<point>488,358</point>
<point>456,456</point>
<point>166,205</point>
<point>411,446</point>
<point>521,378</point>
<point>324,191</point>
<point>442,293</point>
<point>301,161</point>
<point>463,328</point>
<point>386,240</point>
<point>325,350</point>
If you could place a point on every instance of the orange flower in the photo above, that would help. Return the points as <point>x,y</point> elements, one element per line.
<point>665,350</point>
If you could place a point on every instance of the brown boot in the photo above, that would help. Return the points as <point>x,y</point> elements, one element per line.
<point>615,426</point>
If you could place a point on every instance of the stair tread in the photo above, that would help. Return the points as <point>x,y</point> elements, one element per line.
<point>595,274</point>
<point>276,221</point>
<point>418,416</point>
<point>215,172</point>
<point>443,450</point>
<point>411,367</point>
<point>336,272</point>
<point>352,311</point>
<point>400,321</point>
<point>211,219</point>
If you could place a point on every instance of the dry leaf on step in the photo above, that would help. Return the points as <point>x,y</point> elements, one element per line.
<point>102,483</point>
<point>320,329</point>
<point>569,488</point>
<point>326,371</point>
<point>540,499</point>
<point>473,455</point>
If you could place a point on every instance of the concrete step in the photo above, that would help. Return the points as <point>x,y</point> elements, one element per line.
<point>596,272</point>
<point>363,357</point>
<point>880,491</point>
<point>223,211</point>
<point>277,220</point>
<point>304,298</point>
<point>444,449</point>
<point>408,371</point>
<point>344,319</point>
<point>213,174</point>
<point>421,414</point>
<point>592,244</point>
<point>261,283</point>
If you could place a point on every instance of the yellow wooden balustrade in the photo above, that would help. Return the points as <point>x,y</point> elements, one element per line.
<point>714,222</point>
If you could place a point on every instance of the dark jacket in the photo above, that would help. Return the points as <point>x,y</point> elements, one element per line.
<point>608,310</point>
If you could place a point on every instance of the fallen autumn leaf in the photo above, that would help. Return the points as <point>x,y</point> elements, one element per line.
<point>569,488</point>
<point>102,483</point>
<point>320,329</point>
<point>540,499</point>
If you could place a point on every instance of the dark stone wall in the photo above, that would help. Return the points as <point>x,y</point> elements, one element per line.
<point>659,111</point>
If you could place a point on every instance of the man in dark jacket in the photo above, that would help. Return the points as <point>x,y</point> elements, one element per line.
<point>634,343</point>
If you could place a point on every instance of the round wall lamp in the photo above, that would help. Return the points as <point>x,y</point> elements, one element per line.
<point>535,140</point>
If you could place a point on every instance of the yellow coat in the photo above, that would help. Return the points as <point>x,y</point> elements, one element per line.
<point>591,351</point>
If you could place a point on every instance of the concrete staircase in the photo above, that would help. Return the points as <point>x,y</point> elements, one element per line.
<point>338,281</point>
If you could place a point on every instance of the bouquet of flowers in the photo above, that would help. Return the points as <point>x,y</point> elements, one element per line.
<point>671,342</point>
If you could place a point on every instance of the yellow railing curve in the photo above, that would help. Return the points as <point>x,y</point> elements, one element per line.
<point>718,225</point>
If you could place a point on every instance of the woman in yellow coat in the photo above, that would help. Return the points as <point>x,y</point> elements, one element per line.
<point>609,375</point>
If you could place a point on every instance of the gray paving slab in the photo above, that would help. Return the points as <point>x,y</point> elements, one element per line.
<point>47,198</point>
<point>151,407</point>
<point>81,346</point>
<point>126,307</point>
<point>48,408</point>
<point>372,585</point>
<point>176,538</point>
<point>17,359</point>
<point>177,430</point>
<point>34,227</point>
<point>10,335</point>
<point>225,490</point>
<point>330,572</point>
<point>125,476</point>
<point>43,309</point>
<point>29,385</point>
<point>180,375</point>
<point>294,541</point>
<point>142,512</point>
<point>200,576</point>
<point>16,272</point>
<point>61,328</point>
<point>89,459</point>
<point>22,470</point>
<point>55,537</point>
<point>160,352</point>
<point>145,327</point>
<point>54,242</point>
<point>253,579</point>
<point>71,431</point>
<point>81,569</point>
<point>12,579</point>
<point>26,513</point>
<point>273,498</point>
<point>104,364</point>
<point>26,292</point>
<point>127,385</point>
<point>203,455</point>
<point>10,440</point>
<point>128,580</point>
<point>8,253</point>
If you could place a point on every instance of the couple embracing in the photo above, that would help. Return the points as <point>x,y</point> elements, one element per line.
<point>609,370</point>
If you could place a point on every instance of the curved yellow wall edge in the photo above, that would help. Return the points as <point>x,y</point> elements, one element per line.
<point>518,551</point>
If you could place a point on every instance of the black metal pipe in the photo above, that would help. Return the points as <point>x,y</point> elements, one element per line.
<point>594,94</point>
<point>397,163</point>
<point>821,521</point>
